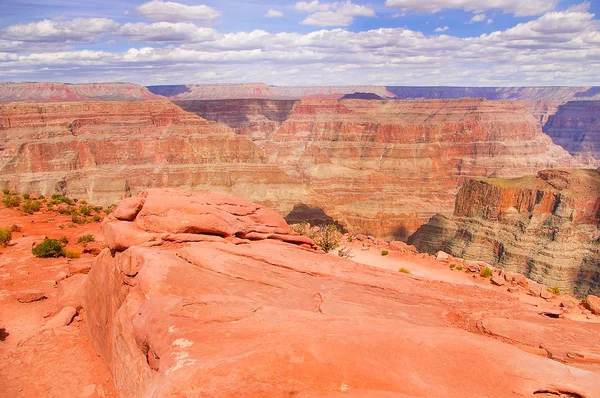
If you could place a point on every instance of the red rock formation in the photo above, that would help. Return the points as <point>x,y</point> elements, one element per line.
<point>545,227</point>
<point>238,318</point>
<point>384,167</point>
<point>61,92</point>
<point>499,93</point>
<point>104,151</point>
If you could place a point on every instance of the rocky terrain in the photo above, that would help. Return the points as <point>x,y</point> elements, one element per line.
<point>61,92</point>
<point>103,151</point>
<point>546,227</point>
<point>549,93</point>
<point>201,294</point>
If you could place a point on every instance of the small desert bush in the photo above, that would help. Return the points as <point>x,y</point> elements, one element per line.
<point>6,191</point>
<point>345,252</point>
<point>48,248</point>
<point>460,267</point>
<point>26,196</point>
<point>87,238</point>
<point>64,240</point>
<point>328,238</point>
<point>404,270</point>
<point>15,228</point>
<point>350,238</point>
<point>72,253</point>
<point>58,198</point>
<point>96,218</point>
<point>85,210</point>
<point>452,266</point>
<point>11,201</point>
<point>486,272</point>
<point>76,219</point>
<point>31,206</point>
<point>385,252</point>
<point>554,289</point>
<point>5,234</point>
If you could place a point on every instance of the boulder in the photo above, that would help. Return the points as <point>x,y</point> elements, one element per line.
<point>81,266</point>
<point>128,209</point>
<point>70,292</point>
<point>593,303</point>
<point>520,280</point>
<point>545,294</point>
<point>442,255</point>
<point>63,318</point>
<point>497,280</point>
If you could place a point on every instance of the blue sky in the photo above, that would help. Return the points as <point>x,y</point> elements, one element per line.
<point>392,42</point>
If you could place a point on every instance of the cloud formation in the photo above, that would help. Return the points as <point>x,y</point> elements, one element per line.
<point>332,14</point>
<point>169,11</point>
<point>78,30</point>
<point>274,14</point>
<point>519,8</point>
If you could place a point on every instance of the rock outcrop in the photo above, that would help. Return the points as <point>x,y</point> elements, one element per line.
<point>216,313</point>
<point>62,92</point>
<point>545,227</point>
<point>576,127</point>
<point>498,93</point>
<point>104,151</point>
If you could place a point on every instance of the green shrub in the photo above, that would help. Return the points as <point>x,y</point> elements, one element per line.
<point>328,238</point>
<point>5,235</point>
<point>72,253</point>
<point>41,197</point>
<point>555,290</point>
<point>26,196</point>
<point>85,210</point>
<point>486,272</point>
<point>404,270</point>
<point>87,238</point>
<point>57,198</point>
<point>460,267</point>
<point>15,228</point>
<point>350,238</point>
<point>453,266</point>
<point>64,240</point>
<point>11,201</point>
<point>385,252</point>
<point>76,219</point>
<point>48,248</point>
<point>6,191</point>
<point>64,210</point>
<point>96,218</point>
<point>31,206</point>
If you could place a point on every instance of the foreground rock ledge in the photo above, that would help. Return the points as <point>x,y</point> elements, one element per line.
<point>204,295</point>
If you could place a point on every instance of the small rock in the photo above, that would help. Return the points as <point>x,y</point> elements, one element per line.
<point>513,289</point>
<point>29,296</point>
<point>545,294</point>
<point>473,268</point>
<point>88,390</point>
<point>520,280</point>
<point>441,255</point>
<point>498,280</point>
<point>593,303</point>
<point>568,305</point>
<point>128,209</point>
<point>63,318</point>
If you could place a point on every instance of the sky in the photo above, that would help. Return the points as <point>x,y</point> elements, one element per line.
<point>303,43</point>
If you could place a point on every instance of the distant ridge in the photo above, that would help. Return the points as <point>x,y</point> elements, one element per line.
<point>63,92</point>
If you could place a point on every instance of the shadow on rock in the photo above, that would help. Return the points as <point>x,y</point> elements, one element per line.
<point>312,215</point>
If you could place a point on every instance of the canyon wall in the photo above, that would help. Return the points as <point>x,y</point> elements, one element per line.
<point>549,93</point>
<point>61,92</point>
<point>546,227</point>
<point>104,151</point>
<point>576,127</point>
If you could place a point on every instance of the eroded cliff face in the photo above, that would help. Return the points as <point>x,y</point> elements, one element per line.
<point>545,227</point>
<point>103,151</point>
<point>61,92</point>
<point>385,167</point>
<point>576,127</point>
<point>258,119</point>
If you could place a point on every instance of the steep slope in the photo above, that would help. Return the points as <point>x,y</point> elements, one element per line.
<point>546,227</point>
<point>103,151</point>
<point>257,118</point>
<point>576,127</point>
<point>385,167</point>
<point>217,315</point>
<point>61,92</point>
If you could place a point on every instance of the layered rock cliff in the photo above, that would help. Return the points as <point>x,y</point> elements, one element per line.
<point>546,227</point>
<point>385,167</point>
<point>558,93</point>
<point>103,151</point>
<point>576,127</point>
<point>206,295</point>
<point>61,92</point>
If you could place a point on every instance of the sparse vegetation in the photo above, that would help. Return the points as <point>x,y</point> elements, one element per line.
<point>15,228</point>
<point>49,248</point>
<point>486,272</point>
<point>26,196</point>
<point>31,206</point>
<point>72,253</point>
<point>87,238</point>
<point>85,210</point>
<point>96,218</point>
<point>6,191</point>
<point>350,238</point>
<point>76,219</point>
<point>58,198</point>
<point>404,270</point>
<point>64,240</point>
<point>11,201</point>
<point>460,267</point>
<point>5,234</point>
<point>452,266</point>
<point>385,252</point>
<point>328,238</point>
<point>554,289</point>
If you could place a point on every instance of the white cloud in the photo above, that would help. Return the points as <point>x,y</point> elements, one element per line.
<point>273,14</point>
<point>169,11</point>
<point>334,14</point>
<point>477,18</point>
<point>166,32</point>
<point>313,6</point>
<point>445,28</point>
<point>519,8</point>
<point>78,30</point>
<point>490,21</point>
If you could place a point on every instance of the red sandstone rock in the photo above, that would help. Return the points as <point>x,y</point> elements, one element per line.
<point>441,256</point>
<point>593,303</point>
<point>270,318</point>
<point>497,280</point>
<point>29,296</point>
<point>128,208</point>
<point>80,267</point>
<point>63,318</point>
<point>70,291</point>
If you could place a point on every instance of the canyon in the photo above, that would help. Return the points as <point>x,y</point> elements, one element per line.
<point>546,227</point>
